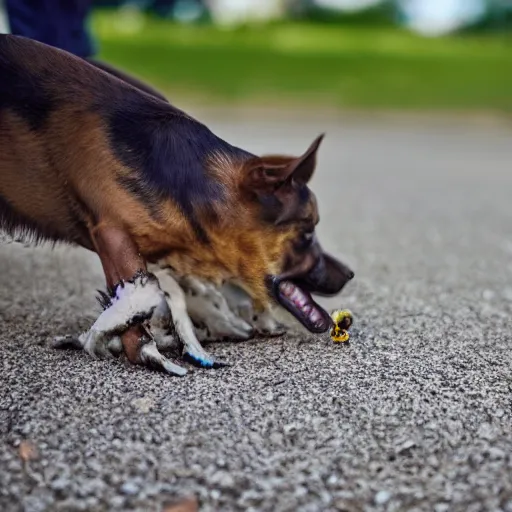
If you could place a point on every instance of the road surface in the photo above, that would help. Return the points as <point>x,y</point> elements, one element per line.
<point>415,414</point>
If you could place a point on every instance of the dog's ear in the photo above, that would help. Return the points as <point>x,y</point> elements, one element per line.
<point>266,174</point>
<point>302,168</point>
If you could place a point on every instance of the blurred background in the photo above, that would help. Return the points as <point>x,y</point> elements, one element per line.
<point>361,54</point>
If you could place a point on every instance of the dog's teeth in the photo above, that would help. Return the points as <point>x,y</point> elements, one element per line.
<point>298,295</point>
<point>287,289</point>
<point>314,316</point>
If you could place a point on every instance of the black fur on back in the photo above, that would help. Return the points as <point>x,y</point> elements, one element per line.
<point>168,152</point>
<point>166,149</point>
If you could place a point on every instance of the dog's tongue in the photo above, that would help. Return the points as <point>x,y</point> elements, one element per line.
<point>304,304</point>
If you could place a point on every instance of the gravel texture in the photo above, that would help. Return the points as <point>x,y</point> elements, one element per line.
<point>415,414</point>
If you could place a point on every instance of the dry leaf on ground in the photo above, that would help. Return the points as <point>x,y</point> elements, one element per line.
<point>27,451</point>
<point>186,505</point>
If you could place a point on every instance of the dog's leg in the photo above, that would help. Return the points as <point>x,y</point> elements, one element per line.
<point>184,328</point>
<point>161,326</point>
<point>264,323</point>
<point>210,312</point>
<point>134,296</point>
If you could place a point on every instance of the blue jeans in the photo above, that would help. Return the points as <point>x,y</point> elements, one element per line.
<point>59,23</point>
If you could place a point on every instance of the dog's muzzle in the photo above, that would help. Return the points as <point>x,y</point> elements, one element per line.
<point>327,277</point>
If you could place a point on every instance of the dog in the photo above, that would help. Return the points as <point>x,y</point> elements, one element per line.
<point>88,159</point>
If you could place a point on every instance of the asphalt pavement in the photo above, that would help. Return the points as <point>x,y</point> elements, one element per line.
<point>413,415</point>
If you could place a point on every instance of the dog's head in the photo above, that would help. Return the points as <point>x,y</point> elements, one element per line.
<point>263,237</point>
<point>275,189</point>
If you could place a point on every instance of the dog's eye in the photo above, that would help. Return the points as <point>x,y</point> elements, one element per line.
<point>306,239</point>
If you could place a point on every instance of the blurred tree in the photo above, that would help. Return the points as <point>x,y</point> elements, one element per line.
<point>428,17</point>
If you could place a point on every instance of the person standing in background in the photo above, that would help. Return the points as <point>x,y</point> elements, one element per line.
<point>64,25</point>
<point>59,23</point>
<point>4,24</point>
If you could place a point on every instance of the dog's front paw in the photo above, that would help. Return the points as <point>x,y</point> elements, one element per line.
<point>263,323</point>
<point>125,325</point>
<point>211,314</point>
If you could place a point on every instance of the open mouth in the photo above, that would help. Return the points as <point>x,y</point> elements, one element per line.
<point>300,304</point>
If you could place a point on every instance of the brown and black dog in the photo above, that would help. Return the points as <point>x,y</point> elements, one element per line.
<point>92,160</point>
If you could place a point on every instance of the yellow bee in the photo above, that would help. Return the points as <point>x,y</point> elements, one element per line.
<point>342,319</point>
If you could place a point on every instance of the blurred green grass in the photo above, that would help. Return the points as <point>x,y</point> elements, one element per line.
<point>311,64</point>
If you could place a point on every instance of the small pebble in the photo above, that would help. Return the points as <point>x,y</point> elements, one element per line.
<point>382,497</point>
<point>129,488</point>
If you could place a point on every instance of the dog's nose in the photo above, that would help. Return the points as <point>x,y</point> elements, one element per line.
<point>331,276</point>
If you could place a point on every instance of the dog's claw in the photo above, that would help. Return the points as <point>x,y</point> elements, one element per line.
<point>278,329</point>
<point>66,342</point>
<point>202,362</point>
<point>150,356</point>
<point>99,349</point>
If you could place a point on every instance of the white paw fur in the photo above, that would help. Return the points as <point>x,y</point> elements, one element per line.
<point>133,301</point>
<point>209,309</point>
